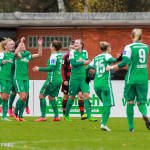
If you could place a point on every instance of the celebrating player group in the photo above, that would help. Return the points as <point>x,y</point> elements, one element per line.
<point>72,74</point>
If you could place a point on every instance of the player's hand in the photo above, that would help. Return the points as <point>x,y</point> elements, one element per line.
<point>66,83</point>
<point>35,69</point>
<point>119,57</point>
<point>4,61</point>
<point>18,56</point>
<point>22,39</point>
<point>87,62</point>
<point>40,41</point>
<point>108,68</point>
<point>92,71</point>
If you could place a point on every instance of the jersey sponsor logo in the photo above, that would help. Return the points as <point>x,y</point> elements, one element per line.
<point>80,59</point>
<point>124,53</point>
<point>24,59</point>
<point>53,61</point>
<point>10,60</point>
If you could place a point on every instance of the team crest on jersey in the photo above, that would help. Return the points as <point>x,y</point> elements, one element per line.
<point>53,61</point>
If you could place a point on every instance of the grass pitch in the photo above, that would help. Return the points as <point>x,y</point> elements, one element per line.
<point>75,135</point>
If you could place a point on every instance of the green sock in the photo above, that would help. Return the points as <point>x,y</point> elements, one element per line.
<point>143,109</point>
<point>27,102</point>
<point>5,108</point>
<point>0,100</point>
<point>18,106</point>
<point>11,100</point>
<point>68,107</point>
<point>105,114</point>
<point>54,106</point>
<point>43,107</point>
<point>22,110</point>
<point>87,108</point>
<point>130,114</point>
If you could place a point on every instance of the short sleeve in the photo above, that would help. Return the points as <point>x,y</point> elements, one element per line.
<point>108,56</point>
<point>86,55</point>
<point>53,60</point>
<point>30,57</point>
<point>127,51</point>
<point>92,64</point>
<point>71,54</point>
<point>1,55</point>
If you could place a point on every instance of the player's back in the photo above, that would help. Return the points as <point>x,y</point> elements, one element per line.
<point>102,77</point>
<point>137,71</point>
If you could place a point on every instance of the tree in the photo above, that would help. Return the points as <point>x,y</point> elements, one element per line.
<point>28,6</point>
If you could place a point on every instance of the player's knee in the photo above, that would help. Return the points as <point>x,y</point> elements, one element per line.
<point>4,96</point>
<point>23,98</point>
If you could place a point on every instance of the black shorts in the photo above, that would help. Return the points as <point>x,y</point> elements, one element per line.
<point>65,89</point>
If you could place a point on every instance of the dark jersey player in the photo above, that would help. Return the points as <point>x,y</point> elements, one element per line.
<point>66,73</point>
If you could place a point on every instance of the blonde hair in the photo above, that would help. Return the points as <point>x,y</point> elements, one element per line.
<point>1,46</point>
<point>136,34</point>
<point>3,43</point>
<point>104,46</point>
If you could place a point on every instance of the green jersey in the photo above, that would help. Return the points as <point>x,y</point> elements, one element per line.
<point>5,69</point>
<point>78,71</point>
<point>21,68</point>
<point>99,63</point>
<point>55,60</point>
<point>13,68</point>
<point>137,53</point>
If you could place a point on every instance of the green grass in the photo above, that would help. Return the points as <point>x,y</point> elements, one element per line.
<point>75,135</point>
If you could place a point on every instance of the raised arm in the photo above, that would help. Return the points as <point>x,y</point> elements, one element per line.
<point>19,46</point>
<point>40,41</point>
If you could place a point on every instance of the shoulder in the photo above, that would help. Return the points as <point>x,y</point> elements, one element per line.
<point>129,45</point>
<point>27,51</point>
<point>145,45</point>
<point>97,56</point>
<point>71,54</point>
<point>108,55</point>
<point>53,56</point>
<point>85,51</point>
<point>1,54</point>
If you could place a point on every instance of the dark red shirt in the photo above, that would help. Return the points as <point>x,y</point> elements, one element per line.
<point>66,68</point>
